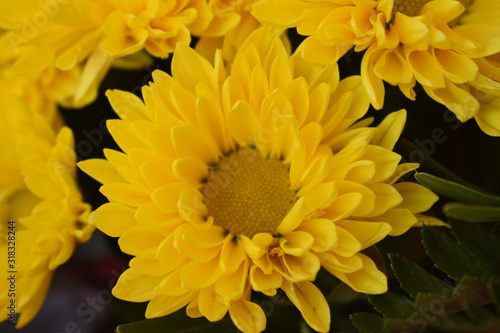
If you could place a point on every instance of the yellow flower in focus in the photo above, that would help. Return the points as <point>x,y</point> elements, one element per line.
<point>38,192</point>
<point>444,45</point>
<point>249,179</point>
<point>231,25</point>
<point>65,34</point>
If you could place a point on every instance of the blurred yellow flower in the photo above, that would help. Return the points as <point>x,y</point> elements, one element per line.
<point>450,47</point>
<point>231,25</point>
<point>250,181</point>
<point>65,34</point>
<point>39,90</point>
<point>39,193</point>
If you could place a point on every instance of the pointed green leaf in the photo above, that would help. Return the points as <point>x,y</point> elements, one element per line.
<point>481,240</point>
<point>448,256</point>
<point>414,279</point>
<point>391,305</point>
<point>472,213</point>
<point>178,322</point>
<point>368,322</point>
<point>455,191</point>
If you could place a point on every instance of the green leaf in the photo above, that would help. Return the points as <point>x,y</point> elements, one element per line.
<point>448,256</point>
<point>368,322</point>
<point>392,306</point>
<point>472,213</point>
<point>455,191</point>
<point>481,240</point>
<point>178,322</point>
<point>414,279</point>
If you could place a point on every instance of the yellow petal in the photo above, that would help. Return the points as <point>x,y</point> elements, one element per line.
<point>244,125</point>
<point>168,196</point>
<point>336,264</point>
<point>296,243</point>
<point>425,68</point>
<point>400,220</point>
<point>488,117</point>
<point>148,265</point>
<point>311,304</point>
<point>456,67</point>
<point>343,206</point>
<point>358,194</point>
<point>135,286</point>
<point>126,194</point>
<point>247,316</point>
<point>385,160</point>
<point>232,255</point>
<point>232,285</point>
<point>393,68</point>
<point>347,244</point>
<point>113,219</point>
<point>255,248</point>
<point>190,69</point>
<point>101,170</point>
<point>140,241</point>
<point>411,30</point>
<point>171,285</point>
<point>373,83</point>
<point>367,233</point>
<point>163,305</point>
<point>196,275</point>
<point>457,99</point>
<point>127,105</point>
<point>319,197</point>
<point>95,68</point>
<point>200,238</point>
<point>190,141</point>
<point>323,232</point>
<point>416,198</point>
<point>367,280</point>
<point>386,197</point>
<point>272,13</point>
<point>389,130</point>
<point>304,267</point>
<point>212,305</point>
<point>155,174</point>
<point>266,283</point>
<point>191,170</point>
<point>125,135</point>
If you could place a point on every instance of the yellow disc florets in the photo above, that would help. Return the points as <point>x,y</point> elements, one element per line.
<point>414,7</point>
<point>247,193</point>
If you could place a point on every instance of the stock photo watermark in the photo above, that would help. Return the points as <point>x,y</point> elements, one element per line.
<point>11,272</point>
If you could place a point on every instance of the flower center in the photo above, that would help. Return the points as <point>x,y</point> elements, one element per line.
<point>414,7</point>
<point>247,193</point>
<point>408,7</point>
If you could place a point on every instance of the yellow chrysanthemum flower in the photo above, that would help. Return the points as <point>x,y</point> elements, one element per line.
<point>250,181</point>
<point>450,47</point>
<point>39,194</point>
<point>65,34</point>
<point>231,25</point>
<point>38,90</point>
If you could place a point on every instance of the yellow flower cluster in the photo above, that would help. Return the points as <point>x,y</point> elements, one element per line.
<point>248,167</point>
<point>39,194</point>
<point>84,38</point>
<point>450,47</point>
